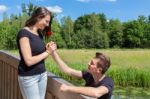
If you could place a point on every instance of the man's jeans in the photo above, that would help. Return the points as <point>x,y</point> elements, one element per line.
<point>33,87</point>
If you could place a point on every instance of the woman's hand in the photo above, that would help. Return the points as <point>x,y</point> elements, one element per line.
<point>51,47</point>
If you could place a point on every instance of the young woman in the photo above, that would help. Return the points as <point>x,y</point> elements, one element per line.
<point>97,83</point>
<point>31,70</point>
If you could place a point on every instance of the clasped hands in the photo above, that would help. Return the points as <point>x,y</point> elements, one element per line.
<point>51,47</point>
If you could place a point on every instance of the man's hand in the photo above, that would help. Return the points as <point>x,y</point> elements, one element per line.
<point>64,87</point>
<point>51,47</point>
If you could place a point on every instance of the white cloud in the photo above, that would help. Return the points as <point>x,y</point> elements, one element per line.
<point>55,9</point>
<point>3,8</point>
<point>111,0</point>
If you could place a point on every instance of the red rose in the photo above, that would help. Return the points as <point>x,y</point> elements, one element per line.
<point>49,33</point>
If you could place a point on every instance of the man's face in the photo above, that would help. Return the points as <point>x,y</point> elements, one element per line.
<point>92,66</point>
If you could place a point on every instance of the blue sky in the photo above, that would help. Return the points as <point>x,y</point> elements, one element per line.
<point>124,10</point>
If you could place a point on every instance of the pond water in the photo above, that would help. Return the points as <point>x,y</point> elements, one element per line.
<point>131,93</point>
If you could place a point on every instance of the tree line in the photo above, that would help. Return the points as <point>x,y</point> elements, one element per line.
<point>87,31</point>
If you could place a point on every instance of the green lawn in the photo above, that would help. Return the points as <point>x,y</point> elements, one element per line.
<point>130,67</point>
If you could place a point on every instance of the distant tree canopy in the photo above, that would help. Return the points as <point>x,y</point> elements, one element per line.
<point>87,31</point>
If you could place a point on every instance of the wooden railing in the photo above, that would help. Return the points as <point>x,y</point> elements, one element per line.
<point>9,88</point>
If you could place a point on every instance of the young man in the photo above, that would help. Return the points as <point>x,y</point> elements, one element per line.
<point>97,83</point>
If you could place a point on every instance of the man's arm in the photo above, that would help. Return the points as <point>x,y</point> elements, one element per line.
<point>88,91</point>
<point>66,69</point>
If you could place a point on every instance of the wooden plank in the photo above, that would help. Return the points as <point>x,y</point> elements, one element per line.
<point>15,84</point>
<point>54,84</point>
<point>11,84</point>
<point>5,86</point>
<point>8,81</point>
<point>49,96</point>
<point>5,90</point>
<point>9,59</point>
<point>0,79</point>
<point>3,80</point>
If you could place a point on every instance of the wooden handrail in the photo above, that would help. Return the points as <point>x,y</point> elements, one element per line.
<point>9,88</point>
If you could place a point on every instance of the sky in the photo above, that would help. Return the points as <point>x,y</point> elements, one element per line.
<point>124,10</point>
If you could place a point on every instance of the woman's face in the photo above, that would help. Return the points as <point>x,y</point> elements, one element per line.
<point>44,22</point>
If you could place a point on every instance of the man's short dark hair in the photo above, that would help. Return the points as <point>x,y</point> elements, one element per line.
<point>104,62</point>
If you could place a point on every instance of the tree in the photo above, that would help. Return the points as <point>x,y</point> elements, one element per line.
<point>146,37</point>
<point>67,31</point>
<point>133,33</point>
<point>145,22</point>
<point>3,30</point>
<point>56,36</point>
<point>115,33</point>
<point>103,20</point>
<point>88,32</point>
<point>11,32</point>
<point>29,9</point>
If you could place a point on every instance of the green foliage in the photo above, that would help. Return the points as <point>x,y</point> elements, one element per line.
<point>67,31</point>
<point>146,37</point>
<point>129,76</point>
<point>129,67</point>
<point>115,33</point>
<point>145,22</point>
<point>28,9</point>
<point>133,33</point>
<point>56,34</point>
<point>87,31</point>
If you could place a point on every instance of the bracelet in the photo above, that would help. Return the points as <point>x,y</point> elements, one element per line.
<point>47,51</point>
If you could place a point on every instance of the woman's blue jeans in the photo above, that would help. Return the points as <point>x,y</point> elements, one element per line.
<point>33,87</point>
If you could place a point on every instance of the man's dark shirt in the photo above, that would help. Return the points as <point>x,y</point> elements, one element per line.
<point>106,81</point>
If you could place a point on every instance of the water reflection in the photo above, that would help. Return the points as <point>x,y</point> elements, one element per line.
<point>131,93</point>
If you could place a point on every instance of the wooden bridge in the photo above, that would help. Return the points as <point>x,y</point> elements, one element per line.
<point>9,88</point>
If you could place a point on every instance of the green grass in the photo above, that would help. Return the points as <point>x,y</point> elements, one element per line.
<point>130,67</point>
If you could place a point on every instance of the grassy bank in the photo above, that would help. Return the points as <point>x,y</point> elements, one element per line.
<point>129,67</point>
